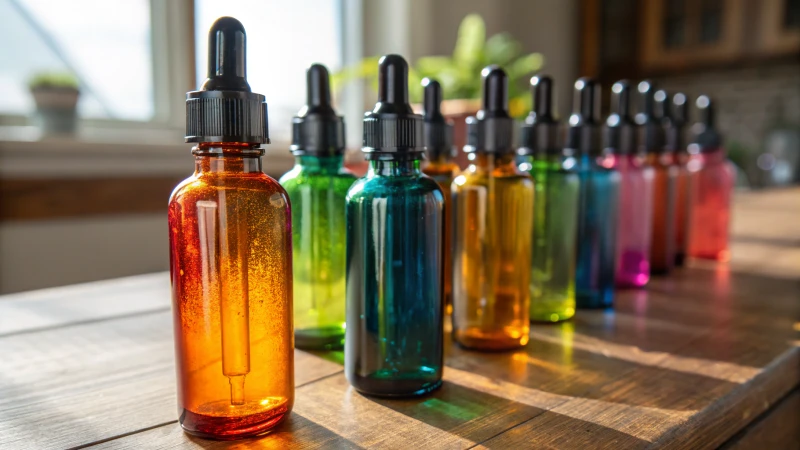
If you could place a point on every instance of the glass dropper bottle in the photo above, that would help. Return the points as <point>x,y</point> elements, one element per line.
<point>620,138</point>
<point>317,186</point>
<point>555,208</point>
<point>439,151</point>
<point>395,220</point>
<point>230,259</point>
<point>493,204</point>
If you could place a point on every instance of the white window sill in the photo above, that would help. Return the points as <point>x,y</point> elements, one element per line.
<point>103,152</point>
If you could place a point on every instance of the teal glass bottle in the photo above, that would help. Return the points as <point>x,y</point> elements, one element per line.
<point>317,188</point>
<point>555,209</point>
<point>395,221</point>
<point>599,201</point>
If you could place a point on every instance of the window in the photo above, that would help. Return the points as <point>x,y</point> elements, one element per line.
<point>108,51</point>
<point>283,39</point>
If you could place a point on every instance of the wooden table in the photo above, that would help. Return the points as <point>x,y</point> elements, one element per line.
<point>704,358</point>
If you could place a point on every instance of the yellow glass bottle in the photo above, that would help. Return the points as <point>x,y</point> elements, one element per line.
<point>493,217</point>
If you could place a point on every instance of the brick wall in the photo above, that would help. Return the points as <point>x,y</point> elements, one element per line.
<point>746,98</point>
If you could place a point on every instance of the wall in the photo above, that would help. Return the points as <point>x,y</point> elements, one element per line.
<point>747,98</point>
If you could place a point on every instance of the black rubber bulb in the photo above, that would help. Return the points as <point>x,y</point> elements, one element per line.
<point>646,102</point>
<point>318,90</point>
<point>495,92</point>
<point>661,106</point>
<point>392,86</point>
<point>680,107</point>
<point>227,64</point>
<point>705,111</point>
<point>586,101</point>
<point>432,99</point>
<point>621,101</point>
<point>542,87</point>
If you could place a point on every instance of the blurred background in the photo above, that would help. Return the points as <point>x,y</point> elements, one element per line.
<point>92,95</point>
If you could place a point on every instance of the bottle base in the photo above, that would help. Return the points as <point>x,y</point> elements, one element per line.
<point>228,428</point>
<point>552,316</point>
<point>491,341</point>
<point>558,309</point>
<point>680,259</point>
<point>327,338</point>
<point>399,386</point>
<point>595,299</point>
<point>634,281</point>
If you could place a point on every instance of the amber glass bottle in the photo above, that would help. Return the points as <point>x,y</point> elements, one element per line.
<point>439,150</point>
<point>662,250</point>
<point>493,216</point>
<point>676,115</point>
<point>230,260</point>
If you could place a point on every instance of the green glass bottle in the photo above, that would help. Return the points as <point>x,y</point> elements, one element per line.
<point>555,209</point>
<point>317,188</point>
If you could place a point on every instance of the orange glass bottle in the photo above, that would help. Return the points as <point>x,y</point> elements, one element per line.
<point>662,252</point>
<point>230,259</point>
<point>439,150</point>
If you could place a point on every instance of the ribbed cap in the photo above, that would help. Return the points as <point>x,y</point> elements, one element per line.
<point>651,133</point>
<point>392,129</point>
<point>437,131</point>
<point>539,134</point>
<point>583,134</point>
<point>673,112</point>
<point>705,136</point>
<point>224,109</point>
<point>492,129</point>
<point>317,130</point>
<point>619,133</point>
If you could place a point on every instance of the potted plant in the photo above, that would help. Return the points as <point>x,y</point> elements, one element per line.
<point>56,96</point>
<point>459,73</point>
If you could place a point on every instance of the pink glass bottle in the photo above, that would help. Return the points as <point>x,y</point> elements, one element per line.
<point>636,191</point>
<point>712,182</point>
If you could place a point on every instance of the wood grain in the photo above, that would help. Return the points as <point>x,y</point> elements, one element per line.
<point>687,363</point>
<point>776,429</point>
<point>72,385</point>
<point>47,308</point>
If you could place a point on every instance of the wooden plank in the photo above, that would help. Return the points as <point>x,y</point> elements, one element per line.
<point>777,428</point>
<point>75,385</point>
<point>47,308</point>
<point>695,397</point>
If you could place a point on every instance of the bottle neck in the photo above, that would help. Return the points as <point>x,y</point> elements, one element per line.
<point>394,168</point>
<point>320,164</point>
<point>227,158</point>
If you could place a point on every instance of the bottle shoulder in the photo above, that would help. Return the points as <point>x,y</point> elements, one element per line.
<point>383,187</point>
<point>198,187</point>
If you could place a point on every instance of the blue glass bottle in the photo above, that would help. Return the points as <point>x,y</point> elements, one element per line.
<point>395,221</point>
<point>599,199</point>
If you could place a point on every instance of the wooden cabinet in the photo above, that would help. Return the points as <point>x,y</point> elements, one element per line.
<point>629,38</point>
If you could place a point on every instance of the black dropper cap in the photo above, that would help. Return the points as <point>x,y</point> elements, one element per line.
<point>391,129</point>
<point>438,131</point>
<point>651,132</point>
<point>540,131</point>
<point>673,111</point>
<point>583,134</point>
<point>619,134</point>
<point>224,109</point>
<point>317,130</point>
<point>492,128</point>
<point>705,136</point>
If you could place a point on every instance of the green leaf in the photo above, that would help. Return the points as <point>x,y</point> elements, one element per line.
<point>501,49</point>
<point>469,46</point>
